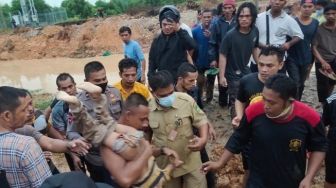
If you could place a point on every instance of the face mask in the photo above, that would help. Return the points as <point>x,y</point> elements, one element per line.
<point>167,101</point>
<point>319,12</point>
<point>102,86</point>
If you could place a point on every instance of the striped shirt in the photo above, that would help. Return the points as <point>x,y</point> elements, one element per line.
<point>22,160</point>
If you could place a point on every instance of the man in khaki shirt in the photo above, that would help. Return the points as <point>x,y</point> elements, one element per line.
<point>172,116</point>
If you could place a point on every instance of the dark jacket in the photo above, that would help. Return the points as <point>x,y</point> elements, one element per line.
<point>218,31</point>
<point>168,52</point>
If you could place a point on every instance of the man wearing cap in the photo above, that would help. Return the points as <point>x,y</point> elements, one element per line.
<point>218,30</point>
<point>324,49</point>
<point>300,57</point>
<point>169,48</point>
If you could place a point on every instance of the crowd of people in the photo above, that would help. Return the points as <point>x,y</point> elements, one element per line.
<point>150,130</point>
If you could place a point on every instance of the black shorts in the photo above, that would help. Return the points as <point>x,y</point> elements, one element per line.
<point>330,161</point>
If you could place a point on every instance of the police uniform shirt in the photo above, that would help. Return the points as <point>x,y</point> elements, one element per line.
<point>183,115</point>
<point>278,149</point>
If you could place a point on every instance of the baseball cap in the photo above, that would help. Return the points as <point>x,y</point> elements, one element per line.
<point>229,2</point>
<point>308,1</point>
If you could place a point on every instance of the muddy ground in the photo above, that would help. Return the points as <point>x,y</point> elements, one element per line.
<point>232,175</point>
<point>95,37</point>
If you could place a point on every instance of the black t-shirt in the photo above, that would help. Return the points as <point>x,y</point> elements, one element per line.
<point>238,47</point>
<point>250,89</point>
<point>277,156</point>
<point>329,114</point>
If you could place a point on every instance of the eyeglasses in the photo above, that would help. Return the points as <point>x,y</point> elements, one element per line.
<point>244,16</point>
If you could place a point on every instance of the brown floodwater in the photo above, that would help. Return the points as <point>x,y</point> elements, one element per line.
<point>40,74</point>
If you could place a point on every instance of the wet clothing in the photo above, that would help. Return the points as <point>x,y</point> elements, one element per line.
<point>93,160</point>
<point>154,176</point>
<point>168,52</point>
<point>329,113</point>
<point>94,130</point>
<point>278,146</point>
<point>133,50</point>
<point>172,128</point>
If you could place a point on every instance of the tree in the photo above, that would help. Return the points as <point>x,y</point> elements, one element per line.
<point>40,5</point>
<point>78,8</point>
<point>5,9</point>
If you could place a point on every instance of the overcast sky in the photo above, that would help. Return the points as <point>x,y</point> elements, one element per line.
<point>54,3</point>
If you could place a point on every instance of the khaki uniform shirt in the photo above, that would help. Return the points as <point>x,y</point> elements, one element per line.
<point>184,114</point>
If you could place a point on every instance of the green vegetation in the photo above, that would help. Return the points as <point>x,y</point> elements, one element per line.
<point>41,100</point>
<point>82,9</point>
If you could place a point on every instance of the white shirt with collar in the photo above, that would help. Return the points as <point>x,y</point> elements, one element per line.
<point>279,27</point>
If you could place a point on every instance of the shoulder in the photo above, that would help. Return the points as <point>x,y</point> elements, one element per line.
<point>249,78</point>
<point>254,110</point>
<point>196,28</point>
<point>140,86</point>
<point>315,21</point>
<point>261,15</point>
<point>232,32</point>
<point>254,30</point>
<point>18,139</point>
<point>307,113</point>
<point>290,20</point>
<point>117,85</point>
<point>82,95</point>
<point>58,106</point>
<point>113,89</point>
<point>135,42</point>
<point>184,97</point>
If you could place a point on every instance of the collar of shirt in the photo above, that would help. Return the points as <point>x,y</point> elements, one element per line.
<point>282,15</point>
<point>156,106</point>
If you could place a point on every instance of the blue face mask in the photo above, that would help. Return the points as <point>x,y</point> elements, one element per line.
<point>167,101</point>
<point>319,12</point>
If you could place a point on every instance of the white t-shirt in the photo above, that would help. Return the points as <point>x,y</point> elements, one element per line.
<point>279,27</point>
<point>187,28</point>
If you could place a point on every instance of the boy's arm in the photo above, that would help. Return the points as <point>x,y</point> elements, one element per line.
<point>125,172</point>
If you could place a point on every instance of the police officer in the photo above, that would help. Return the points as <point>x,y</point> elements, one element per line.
<point>172,116</point>
<point>95,73</point>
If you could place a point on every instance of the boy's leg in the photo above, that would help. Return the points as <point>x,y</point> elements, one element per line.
<point>104,123</point>
<point>83,121</point>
